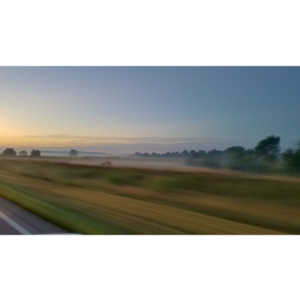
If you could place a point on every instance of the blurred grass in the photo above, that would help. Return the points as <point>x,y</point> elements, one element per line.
<point>100,200</point>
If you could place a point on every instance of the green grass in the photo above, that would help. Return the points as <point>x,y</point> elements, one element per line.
<point>49,208</point>
<point>99,200</point>
<point>236,186</point>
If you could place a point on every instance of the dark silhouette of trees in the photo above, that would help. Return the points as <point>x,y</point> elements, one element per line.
<point>268,148</point>
<point>35,153</point>
<point>213,159</point>
<point>296,160</point>
<point>292,158</point>
<point>288,156</point>
<point>23,153</point>
<point>185,153</point>
<point>235,150</point>
<point>265,157</point>
<point>201,153</point>
<point>9,152</point>
<point>73,153</point>
<point>194,153</point>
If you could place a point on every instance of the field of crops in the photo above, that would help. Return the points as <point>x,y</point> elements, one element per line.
<point>107,200</point>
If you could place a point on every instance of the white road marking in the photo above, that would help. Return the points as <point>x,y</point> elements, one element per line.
<point>13,224</point>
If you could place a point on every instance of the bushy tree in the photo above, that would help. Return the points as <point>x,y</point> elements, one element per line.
<point>35,153</point>
<point>23,153</point>
<point>73,152</point>
<point>268,148</point>
<point>235,150</point>
<point>9,152</point>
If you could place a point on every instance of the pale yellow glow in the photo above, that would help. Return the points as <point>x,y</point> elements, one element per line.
<point>15,140</point>
<point>25,141</point>
<point>8,130</point>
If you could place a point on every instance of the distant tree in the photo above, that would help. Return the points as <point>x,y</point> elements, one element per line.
<point>73,152</point>
<point>292,158</point>
<point>9,152</point>
<point>268,148</point>
<point>250,152</point>
<point>172,154</point>
<point>201,153</point>
<point>288,156</point>
<point>35,153</point>
<point>185,153</point>
<point>23,153</point>
<point>214,152</point>
<point>194,153</point>
<point>235,150</point>
<point>296,159</point>
<point>213,159</point>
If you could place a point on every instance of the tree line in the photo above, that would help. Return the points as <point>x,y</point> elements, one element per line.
<point>11,152</point>
<point>265,156</point>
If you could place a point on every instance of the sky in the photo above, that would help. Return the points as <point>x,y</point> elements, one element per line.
<point>127,109</point>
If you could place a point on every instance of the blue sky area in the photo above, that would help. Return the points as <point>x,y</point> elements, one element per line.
<point>162,108</point>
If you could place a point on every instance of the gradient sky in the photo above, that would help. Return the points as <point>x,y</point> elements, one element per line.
<point>105,108</point>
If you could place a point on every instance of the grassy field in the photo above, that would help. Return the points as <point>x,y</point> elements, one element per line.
<point>100,200</point>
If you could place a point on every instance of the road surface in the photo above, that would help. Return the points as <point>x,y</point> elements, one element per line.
<point>16,220</point>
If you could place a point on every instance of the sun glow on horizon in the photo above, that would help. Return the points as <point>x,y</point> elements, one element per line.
<point>50,141</point>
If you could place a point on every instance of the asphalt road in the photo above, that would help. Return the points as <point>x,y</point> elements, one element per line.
<point>16,220</point>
